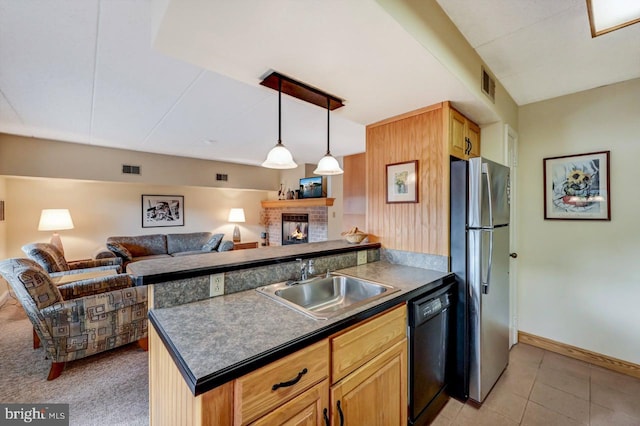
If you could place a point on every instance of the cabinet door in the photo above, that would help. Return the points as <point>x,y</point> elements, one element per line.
<point>457,142</point>
<point>473,133</point>
<point>376,393</point>
<point>307,409</point>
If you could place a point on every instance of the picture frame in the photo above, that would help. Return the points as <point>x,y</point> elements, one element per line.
<point>1,210</point>
<point>162,210</point>
<point>577,187</point>
<point>402,182</point>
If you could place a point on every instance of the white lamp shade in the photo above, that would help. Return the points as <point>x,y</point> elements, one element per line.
<point>55,220</point>
<point>236,215</point>
<point>279,158</point>
<point>328,165</point>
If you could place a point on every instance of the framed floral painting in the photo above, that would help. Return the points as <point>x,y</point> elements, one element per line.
<point>577,187</point>
<point>402,182</point>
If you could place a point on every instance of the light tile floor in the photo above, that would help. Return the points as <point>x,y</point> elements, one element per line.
<point>546,389</point>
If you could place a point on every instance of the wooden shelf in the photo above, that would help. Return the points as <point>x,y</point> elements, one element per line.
<point>304,202</point>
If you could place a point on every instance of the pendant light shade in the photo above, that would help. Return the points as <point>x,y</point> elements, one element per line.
<point>279,157</point>
<point>328,165</point>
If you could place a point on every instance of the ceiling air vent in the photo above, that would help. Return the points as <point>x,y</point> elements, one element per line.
<point>130,170</point>
<point>488,85</point>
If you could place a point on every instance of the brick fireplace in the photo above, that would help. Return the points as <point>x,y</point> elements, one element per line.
<point>317,229</point>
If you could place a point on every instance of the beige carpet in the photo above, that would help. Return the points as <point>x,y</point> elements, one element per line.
<point>110,388</point>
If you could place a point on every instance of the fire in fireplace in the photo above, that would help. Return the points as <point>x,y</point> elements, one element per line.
<point>295,228</point>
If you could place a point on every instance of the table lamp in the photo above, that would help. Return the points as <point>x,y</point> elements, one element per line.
<point>55,220</point>
<point>236,216</point>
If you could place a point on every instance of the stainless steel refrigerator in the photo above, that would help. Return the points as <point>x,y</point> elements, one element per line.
<point>480,259</point>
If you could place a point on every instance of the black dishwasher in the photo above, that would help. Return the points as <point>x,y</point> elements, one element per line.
<point>430,344</point>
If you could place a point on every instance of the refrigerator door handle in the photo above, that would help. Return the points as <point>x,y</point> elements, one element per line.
<point>485,170</point>
<point>486,282</point>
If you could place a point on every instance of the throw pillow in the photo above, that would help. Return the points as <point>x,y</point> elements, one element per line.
<point>120,251</point>
<point>213,242</point>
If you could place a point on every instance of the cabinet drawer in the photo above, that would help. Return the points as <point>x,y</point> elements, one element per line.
<point>359,345</point>
<point>254,394</point>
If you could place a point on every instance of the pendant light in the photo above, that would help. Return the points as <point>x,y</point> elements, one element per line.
<point>328,165</point>
<point>279,157</point>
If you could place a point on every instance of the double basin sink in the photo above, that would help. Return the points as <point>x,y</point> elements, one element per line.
<point>326,296</point>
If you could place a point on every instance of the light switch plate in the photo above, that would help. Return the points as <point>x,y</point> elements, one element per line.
<point>362,257</point>
<point>216,285</point>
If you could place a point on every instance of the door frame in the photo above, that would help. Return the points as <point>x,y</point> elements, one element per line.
<point>511,155</point>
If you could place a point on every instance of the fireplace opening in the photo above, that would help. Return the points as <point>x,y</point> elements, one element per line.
<point>295,228</point>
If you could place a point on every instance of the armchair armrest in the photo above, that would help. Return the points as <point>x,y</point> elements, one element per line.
<point>93,286</point>
<point>93,263</point>
<point>115,268</point>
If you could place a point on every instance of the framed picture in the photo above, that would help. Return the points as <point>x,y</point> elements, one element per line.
<point>1,210</point>
<point>577,187</point>
<point>162,210</point>
<point>402,182</point>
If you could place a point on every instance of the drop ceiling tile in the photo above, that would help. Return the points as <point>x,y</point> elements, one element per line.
<point>135,85</point>
<point>484,21</point>
<point>46,71</point>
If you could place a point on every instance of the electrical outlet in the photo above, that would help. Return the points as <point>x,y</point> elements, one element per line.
<point>362,257</point>
<point>216,285</point>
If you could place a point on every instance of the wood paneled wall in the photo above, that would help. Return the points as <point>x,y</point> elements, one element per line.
<point>419,227</point>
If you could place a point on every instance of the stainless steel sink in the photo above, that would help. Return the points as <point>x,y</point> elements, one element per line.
<point>325,297</point>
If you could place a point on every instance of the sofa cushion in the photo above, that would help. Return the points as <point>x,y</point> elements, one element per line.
<point>177,243</point>
<point>120,251</point>
<point>213,242</point>
<point>226,246</point>
<point>151,256</point>
<point>188,253</point>
<point>142,245</point>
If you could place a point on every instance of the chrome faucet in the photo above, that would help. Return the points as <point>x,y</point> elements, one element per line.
<point>306,268</point>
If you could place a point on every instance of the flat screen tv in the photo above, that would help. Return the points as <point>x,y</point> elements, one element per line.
<point>311,187</point>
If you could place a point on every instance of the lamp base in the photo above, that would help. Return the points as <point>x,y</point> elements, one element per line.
<point>236,234</point>
<point>56,241</point>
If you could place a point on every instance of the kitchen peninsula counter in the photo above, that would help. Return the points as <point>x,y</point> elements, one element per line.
<point>217,340</point>
<point>154,271</point>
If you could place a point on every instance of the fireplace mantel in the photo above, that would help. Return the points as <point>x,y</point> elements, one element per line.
<point>304,202</point>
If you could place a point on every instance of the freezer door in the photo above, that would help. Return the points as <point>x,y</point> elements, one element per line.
<point>488,193</point>
<point>489,308</point>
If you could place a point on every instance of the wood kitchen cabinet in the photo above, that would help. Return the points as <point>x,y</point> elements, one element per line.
<point>464,135</point>
<point>369,372</point>
<point>363,368</point>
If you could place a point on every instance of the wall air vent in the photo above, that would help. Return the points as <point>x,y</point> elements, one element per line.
<point>488,85</point>
<point>131,170</point>
<point>222,177</point>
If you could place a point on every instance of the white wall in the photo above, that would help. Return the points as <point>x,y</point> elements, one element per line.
<point>103,209</point>
<point>579,281</point>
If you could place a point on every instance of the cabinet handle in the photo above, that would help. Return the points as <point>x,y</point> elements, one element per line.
<point>340,414</point>
<point>468,147</point>
<point>290,382</point>
<point>326,417</point>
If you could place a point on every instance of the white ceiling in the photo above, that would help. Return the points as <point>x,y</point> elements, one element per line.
<point>541,49</point>
<point>85,70</point>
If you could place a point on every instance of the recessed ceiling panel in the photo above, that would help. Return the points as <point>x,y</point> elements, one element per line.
<point>136,86</point>
<point>46,68</point>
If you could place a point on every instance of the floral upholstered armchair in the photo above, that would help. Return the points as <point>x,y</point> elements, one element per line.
<point>52,260</point>
<point>81,318</point>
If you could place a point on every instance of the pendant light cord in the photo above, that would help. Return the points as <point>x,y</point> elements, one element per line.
<point>279,110</point>
<point>328,115</point>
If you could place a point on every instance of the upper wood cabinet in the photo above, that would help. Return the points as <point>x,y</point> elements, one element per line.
<point>464,135</point>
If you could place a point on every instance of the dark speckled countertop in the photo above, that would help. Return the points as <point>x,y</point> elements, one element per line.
<point>172,268</point>
<point>217,340</point>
